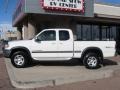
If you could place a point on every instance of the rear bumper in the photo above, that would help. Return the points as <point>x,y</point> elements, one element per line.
<point>6,53</point>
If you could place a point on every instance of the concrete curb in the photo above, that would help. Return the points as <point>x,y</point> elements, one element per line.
<point>20,84</point>
<point>100,74</point>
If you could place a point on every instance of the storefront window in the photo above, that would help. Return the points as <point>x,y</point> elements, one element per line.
<point>95,32</point>
<point>104,32</point>
<point>86,29</point>
<point>112,33</point>
<point>79,32</point>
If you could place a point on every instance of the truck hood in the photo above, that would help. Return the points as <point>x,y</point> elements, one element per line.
<point>19,43</point>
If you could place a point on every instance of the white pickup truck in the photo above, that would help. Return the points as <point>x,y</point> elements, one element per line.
<point>58,44</point>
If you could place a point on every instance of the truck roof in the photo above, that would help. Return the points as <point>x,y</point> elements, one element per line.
<point>57,29</point>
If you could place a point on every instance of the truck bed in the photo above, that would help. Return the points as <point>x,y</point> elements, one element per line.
<point>107,47</point>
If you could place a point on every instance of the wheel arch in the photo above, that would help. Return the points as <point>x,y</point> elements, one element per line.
<point>96,50</point>
<point>15,49</point>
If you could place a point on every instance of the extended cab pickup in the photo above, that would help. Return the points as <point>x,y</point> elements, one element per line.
<point>58,44</point>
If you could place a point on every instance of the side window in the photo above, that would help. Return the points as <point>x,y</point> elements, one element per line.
<point>113,33</point>
<point>64,35</point>
<point>47,36</point>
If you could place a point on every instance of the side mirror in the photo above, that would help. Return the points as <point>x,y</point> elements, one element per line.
<point>37,39</point>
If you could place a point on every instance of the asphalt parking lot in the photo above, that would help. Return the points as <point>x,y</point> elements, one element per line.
<point>41,74</point>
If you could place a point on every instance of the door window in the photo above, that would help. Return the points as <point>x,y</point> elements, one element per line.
<point>47,36</point>
<point>64,35</point>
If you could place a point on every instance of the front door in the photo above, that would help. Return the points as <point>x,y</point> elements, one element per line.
<point>45,46</point>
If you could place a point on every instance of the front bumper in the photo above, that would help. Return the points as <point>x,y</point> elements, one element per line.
<point>6,53</point>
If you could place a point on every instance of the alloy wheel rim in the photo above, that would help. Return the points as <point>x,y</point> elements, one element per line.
<point>19,60</point>
<point>92,61</point>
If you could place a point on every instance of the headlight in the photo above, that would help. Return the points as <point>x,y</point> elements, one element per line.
<point>6,45</point>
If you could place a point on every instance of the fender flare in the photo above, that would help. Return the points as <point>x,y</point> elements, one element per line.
<point>92,48</point>
<point>20,48</point>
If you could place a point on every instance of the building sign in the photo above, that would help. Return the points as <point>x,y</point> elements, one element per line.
<point>64,5</point>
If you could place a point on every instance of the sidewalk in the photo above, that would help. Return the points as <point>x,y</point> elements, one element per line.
<point>5,83</point>
<point>58,73</point>
<point>110,83</point>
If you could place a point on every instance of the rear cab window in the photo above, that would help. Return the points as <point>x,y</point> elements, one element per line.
<point>64,35</point>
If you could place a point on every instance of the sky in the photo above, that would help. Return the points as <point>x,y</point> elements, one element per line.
<point>6,15</point>
<point>110,1</point>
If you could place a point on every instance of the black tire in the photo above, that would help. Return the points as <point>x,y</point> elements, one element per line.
<point>93,58</point>
<point>19,59</point>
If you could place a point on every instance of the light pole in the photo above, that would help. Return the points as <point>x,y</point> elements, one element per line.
<point>9,34</point>
<point>1,29</point>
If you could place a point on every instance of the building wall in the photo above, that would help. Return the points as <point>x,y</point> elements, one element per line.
<point>6,30</point>
<point>107,10</point>
<point>37,18</point>
<point>34,6</point>
<point>11,35</point>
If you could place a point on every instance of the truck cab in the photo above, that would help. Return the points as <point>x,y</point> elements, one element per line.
<point>53,44</point>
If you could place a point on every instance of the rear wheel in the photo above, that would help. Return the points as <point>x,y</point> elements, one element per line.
<point>19,59</point>
<point>91,61</point>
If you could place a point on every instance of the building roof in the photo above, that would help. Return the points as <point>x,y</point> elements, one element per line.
<point>100,9</point>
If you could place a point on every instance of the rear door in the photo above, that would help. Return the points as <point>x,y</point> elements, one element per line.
<point>65,44</point>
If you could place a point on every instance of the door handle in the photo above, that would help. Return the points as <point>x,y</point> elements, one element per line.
<point>53,43</point>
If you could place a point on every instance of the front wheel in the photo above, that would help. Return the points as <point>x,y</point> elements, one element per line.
<point>91,61</point>
<point>19,59</point>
